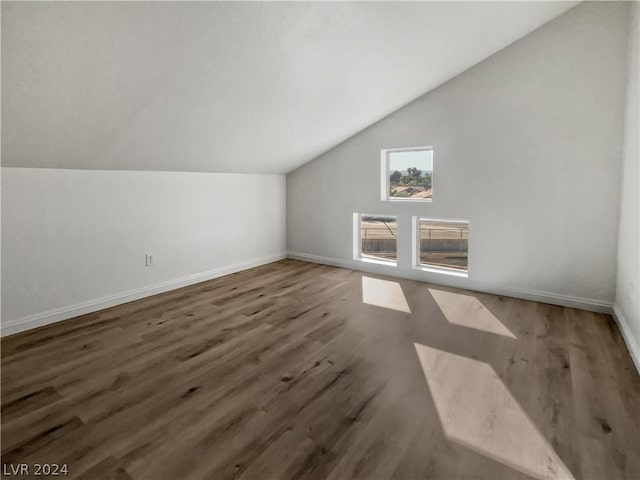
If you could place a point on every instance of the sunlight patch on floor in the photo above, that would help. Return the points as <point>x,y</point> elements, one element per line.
<point>468,311</point>
<point>384,293</point>
<point>477,411</point>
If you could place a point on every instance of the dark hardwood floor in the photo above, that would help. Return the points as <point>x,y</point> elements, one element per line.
<point>296,370</point>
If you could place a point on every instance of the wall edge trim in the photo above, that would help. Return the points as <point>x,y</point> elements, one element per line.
<point>593,305</point>
<point>632,344</point>
<point>48,317</point>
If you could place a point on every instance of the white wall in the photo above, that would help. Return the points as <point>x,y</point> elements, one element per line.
<point>74,241</point>
<point>628,278</point>
<point>227,86</point>
<point>527,147</point>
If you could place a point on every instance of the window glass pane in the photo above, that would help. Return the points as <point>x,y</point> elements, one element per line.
<point>410,174</point>
<point>444,244</point>
<point>379,235</point>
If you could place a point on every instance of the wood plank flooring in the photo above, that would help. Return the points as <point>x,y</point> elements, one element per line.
<point>283,371</point>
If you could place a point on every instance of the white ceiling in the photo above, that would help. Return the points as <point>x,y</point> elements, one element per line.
<point>227,87</point>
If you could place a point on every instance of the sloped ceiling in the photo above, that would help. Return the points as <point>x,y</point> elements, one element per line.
<point>227,87</point>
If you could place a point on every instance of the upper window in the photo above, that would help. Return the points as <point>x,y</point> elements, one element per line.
<point>407,174</point>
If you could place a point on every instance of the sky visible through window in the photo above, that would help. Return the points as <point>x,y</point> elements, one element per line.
<point>401,161</point>
<point>410,174</point>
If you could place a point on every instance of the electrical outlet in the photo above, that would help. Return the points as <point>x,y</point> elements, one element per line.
<point>148,260</point>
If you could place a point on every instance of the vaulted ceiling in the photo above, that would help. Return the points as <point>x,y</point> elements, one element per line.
<point>227,87</point>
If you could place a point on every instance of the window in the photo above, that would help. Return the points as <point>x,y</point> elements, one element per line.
<point>442,244</point>
<point>407,174</point>
<point>376,238</point>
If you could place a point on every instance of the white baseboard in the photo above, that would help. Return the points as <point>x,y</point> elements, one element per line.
<point>51,316</point>
<point>600,306</point>
<point>632,343</point>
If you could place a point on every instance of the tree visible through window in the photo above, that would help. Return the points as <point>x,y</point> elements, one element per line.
<point>409,174</point>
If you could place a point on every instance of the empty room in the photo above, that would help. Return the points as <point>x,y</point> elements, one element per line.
<point>321,240</point>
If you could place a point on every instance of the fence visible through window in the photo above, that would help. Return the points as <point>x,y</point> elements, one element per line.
<point>444,244</point>
<point>379,236</point>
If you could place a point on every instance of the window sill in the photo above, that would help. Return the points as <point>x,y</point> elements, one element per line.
<point>377,261</point>
<point>445,271</point>
<point>408,200</point>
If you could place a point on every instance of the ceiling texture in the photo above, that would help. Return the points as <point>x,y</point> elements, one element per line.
<point>227,87</point>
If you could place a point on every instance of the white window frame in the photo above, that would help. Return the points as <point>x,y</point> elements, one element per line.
<point>416,247</point>
<point>357,241</point>
<point>385,173</point>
